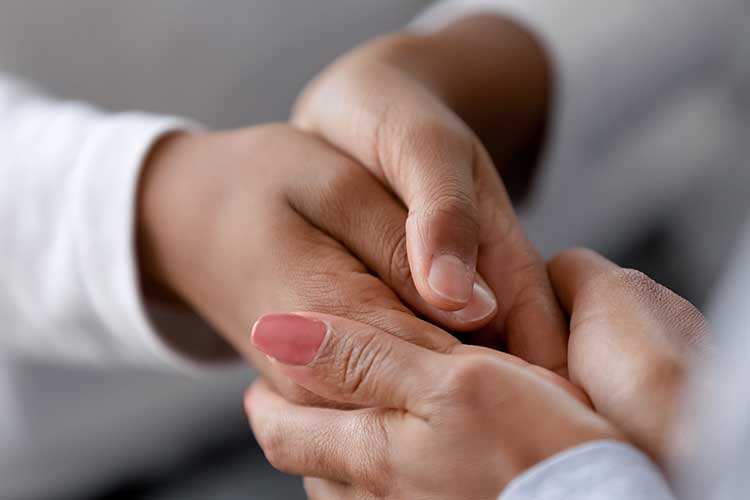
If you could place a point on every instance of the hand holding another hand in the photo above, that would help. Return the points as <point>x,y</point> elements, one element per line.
<point>464,422</point>
<point>423,113</point>
<point>457,424</point>
<point>237,224</point>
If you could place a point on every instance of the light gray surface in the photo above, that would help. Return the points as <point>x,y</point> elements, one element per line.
<point>226,63</point>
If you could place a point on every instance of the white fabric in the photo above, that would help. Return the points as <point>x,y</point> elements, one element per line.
<point>78,354</point>
<point>66,212</point>
<point>645,102</point>
<point>74,332</point>
<point>719,404</point>
<point>89,395</point>
<point>600,470</point>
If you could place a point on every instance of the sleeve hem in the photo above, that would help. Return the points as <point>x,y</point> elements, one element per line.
<point>110,164</point>
<point>595,470</point>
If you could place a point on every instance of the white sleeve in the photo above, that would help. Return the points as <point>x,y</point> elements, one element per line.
<point>601,470</point>
<point>69,283</point>
<point>613,60</point>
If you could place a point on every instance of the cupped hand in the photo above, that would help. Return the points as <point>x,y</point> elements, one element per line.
<point>458,424</point>
<point>418,111</point>
<point>632,343</point>
<point>240,223</point>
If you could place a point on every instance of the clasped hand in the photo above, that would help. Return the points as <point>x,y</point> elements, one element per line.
<point>379,219</point>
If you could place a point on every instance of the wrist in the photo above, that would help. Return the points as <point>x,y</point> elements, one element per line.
<point>157,215</point>
<point>169,205</point>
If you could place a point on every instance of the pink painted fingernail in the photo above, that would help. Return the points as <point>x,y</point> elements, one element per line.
<point>291,339</point>
<point>451,278</point>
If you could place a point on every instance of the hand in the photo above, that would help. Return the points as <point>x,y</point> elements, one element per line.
<point>632,343</point>
<point>417,111</point>
<point>236,224</point>
<point>458,424</point>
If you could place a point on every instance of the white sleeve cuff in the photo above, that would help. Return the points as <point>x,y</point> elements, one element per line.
<point>108,167</point>
<point>600,470</point>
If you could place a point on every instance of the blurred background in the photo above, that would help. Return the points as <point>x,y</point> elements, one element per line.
<point>230,63</point>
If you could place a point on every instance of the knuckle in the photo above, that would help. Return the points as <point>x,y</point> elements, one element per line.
<point>462,383</point>
<point>340,180</point>
<point>628,283</point>
<point>273,441</point>
<point>631,280</point>
<point>679,320</point>
<point>405,143</point>
<point>356,357</point>
<point>399,272</point>
<point>450,199</point>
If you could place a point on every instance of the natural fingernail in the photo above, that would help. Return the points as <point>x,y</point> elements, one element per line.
<point>481,306</point>
<point>291,339</point>
<point>451,278</point>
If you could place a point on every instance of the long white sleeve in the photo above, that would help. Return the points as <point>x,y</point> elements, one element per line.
<point>602,470</point>
<point>646,106</point>
<point>615,60</point>
<point>68,272</point>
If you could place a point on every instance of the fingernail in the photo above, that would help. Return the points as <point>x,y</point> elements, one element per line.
<point>289,338</point>
<point>481,306</point>
<point>450,278</point>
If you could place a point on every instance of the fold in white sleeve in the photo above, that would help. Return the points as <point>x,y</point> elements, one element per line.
<point>613,60</point>
<point>601,470</point>
<point>69,282</point>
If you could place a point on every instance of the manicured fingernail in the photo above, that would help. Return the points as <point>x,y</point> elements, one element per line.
<point>481,305</point>
<point>451,278</point>
<point>289,338</point>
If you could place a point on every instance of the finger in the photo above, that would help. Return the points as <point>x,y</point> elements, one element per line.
<point>572,270</point>
<point>641,336</point>
<point>595,291</point>
<point>320,275</point>
<point>529,318</point>
<point>344,446</point>
<point>423,151</point>
<point>347,361</point>
<point>349,204</point>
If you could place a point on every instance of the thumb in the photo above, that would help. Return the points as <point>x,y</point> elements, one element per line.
<point>417,146</point>
<point>346,361</point>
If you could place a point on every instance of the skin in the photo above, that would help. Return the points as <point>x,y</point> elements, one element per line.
<point>439,137</point>
<point>474,419</point>
<point>235,224</point>
<point>632,344</point>
<point>458,424</point>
